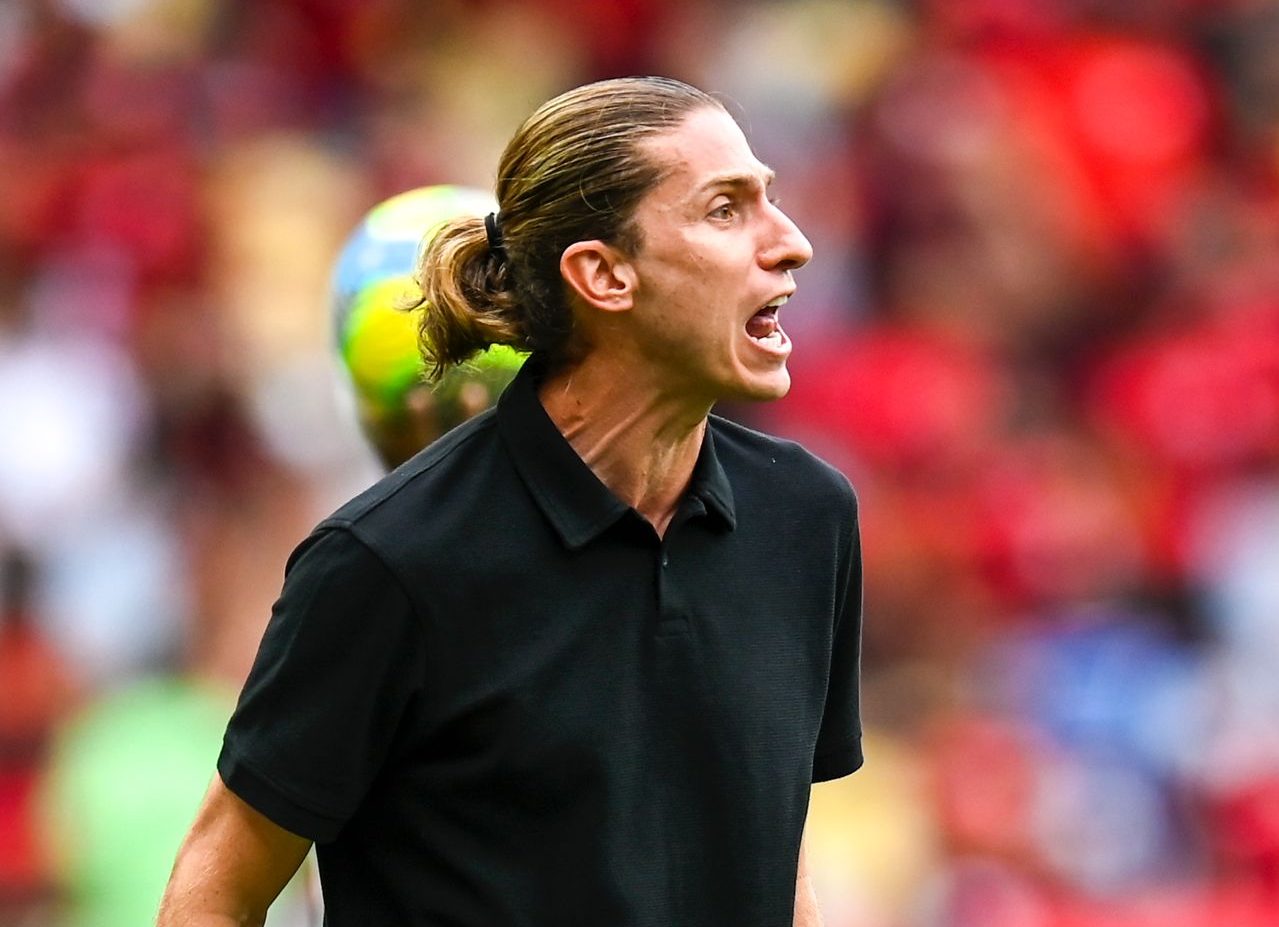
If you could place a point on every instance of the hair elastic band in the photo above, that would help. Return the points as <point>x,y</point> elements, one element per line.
<point>494,231</point>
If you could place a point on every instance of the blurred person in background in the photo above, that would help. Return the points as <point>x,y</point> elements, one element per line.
<point>37,690</point>
<point>473,697</point>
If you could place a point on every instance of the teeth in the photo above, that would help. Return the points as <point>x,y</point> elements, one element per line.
<point>776,303</point>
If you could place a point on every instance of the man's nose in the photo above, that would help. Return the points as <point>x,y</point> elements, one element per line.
<point>786,247</point>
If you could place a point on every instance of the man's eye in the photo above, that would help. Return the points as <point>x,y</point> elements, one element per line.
<point>723,211</point>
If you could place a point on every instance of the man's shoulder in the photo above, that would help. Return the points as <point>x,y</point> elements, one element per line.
<point>745,452</point>
<point>444,472</point>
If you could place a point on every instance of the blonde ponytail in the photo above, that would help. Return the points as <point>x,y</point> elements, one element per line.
<point>466,300</point>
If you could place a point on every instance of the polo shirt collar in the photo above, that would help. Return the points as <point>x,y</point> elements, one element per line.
<point>578,505</point>
<point>710,483</point>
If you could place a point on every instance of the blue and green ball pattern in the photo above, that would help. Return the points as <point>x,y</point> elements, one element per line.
<point>376,339</point>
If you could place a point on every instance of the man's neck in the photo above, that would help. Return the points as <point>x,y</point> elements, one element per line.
<point>639,441</point>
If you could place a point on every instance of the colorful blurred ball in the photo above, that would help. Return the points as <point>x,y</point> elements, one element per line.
<point>376,338</point>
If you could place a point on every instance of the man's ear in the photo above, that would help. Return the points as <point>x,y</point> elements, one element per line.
<point>600,275</point>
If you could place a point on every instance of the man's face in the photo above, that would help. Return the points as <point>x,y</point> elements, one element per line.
<point>714,265</point>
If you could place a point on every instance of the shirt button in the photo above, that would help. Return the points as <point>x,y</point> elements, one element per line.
<point>666,559</point>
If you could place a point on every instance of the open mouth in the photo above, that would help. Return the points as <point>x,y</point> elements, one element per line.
<point>765,329</point>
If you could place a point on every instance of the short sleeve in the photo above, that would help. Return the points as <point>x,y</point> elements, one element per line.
<point>338,667</point>
<point>839,742</point>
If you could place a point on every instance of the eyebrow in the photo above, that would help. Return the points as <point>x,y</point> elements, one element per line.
<point>767,176</point>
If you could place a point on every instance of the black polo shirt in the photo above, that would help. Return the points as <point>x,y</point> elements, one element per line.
<point>492,695</point>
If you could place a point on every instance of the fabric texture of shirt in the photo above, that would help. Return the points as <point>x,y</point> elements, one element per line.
<point>493,695</point>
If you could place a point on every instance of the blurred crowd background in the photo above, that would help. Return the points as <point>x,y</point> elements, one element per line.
<point>1040,334</point>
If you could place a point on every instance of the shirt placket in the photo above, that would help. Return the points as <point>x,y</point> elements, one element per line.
<point>673,614</point>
